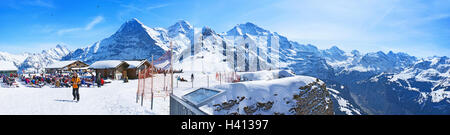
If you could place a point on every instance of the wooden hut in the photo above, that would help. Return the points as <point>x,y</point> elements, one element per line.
<point>110,69</point>
<point>65,66</point>
<point>7,68</point>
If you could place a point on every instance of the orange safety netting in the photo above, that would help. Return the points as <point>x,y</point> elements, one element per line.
<point>227,77</point>
<point>153,83</point>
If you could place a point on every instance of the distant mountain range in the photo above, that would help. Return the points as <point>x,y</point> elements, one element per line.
<point>371,83</point>
<point>35,62</point>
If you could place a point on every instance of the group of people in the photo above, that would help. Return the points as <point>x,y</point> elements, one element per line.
<point>8,80</point>
<point>59,80</point>
<point>41,80</point>
<point>56,80</point>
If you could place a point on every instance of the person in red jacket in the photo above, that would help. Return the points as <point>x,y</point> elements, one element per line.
<point>102,81</point>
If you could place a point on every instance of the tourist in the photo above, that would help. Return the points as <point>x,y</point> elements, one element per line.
<point>57,83</point>
<point>99,79</point>
<point>75,85</point>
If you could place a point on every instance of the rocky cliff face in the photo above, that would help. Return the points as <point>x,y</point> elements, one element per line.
<point>296,95</point>
<point>313,99</point>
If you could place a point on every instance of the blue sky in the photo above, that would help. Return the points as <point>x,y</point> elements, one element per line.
<point>418,27</point>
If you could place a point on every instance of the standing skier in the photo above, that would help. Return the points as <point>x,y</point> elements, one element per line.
<point>99,78</point>
<point>93,80</point>
<point>75,84</point>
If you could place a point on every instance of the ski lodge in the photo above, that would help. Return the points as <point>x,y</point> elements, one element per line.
<point>66,66</point>
<point>118,69</point>
<point>7,68</point>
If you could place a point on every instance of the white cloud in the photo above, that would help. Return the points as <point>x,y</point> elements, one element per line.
<point>157,6</point>
<point>94,22</point>
<point>88,27</point>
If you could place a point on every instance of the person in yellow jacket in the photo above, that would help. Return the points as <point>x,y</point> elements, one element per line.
<point>75,85</point>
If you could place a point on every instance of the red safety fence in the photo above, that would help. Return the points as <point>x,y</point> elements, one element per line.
<point>152,84</point>
<point>227,77</point>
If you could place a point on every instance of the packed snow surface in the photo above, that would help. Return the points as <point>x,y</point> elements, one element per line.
<point>116,98</point>
<point>265,75</point>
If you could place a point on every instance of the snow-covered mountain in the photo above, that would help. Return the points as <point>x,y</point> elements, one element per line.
<point>246,47</point>
<point>372,83</point>
<point>36,62</point>
<point>133,40</point>
<point>13,58</point>
<point>423,88</point>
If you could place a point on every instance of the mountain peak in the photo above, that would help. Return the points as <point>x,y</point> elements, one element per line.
<point>335,48</point>
<point>61,46</point>
<point>58,46</point>
<point>183,22</point>
<point>355,53</point>
<point>180,26</point>
<point>206,31</point>
<point>132,25</point>
<point>134,19</point>
<point>335,51</point>
<point>249,24</point>
<point>380,53</point>
<point>247,28</point>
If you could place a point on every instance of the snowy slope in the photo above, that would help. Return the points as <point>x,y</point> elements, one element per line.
<point>278,86</point>
<point>342,105</point>
<point>132,41</point>
<point>116,98</point>
<point>36,62</point>
<point>269,92</point>
<point>33,62</point>
<point>420,89</point>
<point>269,97</point>
<point>15,59</point>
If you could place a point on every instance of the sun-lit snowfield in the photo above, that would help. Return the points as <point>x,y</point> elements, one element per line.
<point>118,98</point>
<point>114,98</point>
